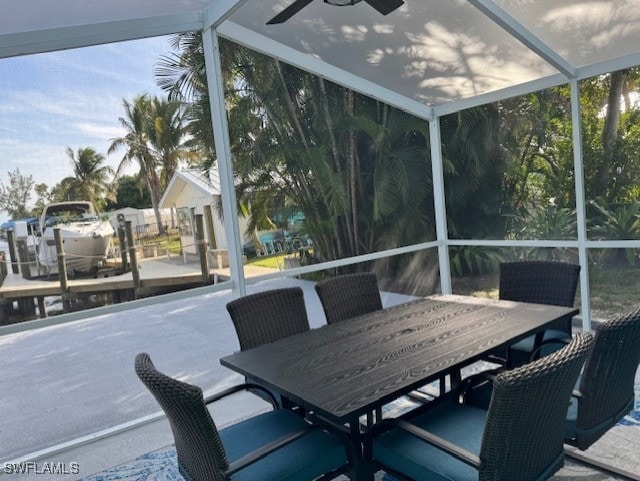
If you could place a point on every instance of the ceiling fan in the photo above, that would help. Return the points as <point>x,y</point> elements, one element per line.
<point>383,6</point>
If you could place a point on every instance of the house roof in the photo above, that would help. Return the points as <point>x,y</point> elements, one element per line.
<point>429,57</point>
<point>209,186</point>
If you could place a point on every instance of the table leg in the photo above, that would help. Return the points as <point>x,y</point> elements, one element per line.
<point>359,469</point>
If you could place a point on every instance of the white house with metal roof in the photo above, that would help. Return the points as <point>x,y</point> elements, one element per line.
<point>188,193</point>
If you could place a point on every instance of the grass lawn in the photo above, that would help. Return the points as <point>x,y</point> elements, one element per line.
<point>273,261</point>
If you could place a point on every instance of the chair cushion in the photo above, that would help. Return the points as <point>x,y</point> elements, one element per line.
<point>405,453</point>
<point>520,352</point>
<point>306,458</point>
<point>526,345</point>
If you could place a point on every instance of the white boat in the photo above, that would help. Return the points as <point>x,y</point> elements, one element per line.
<point>85,236</point>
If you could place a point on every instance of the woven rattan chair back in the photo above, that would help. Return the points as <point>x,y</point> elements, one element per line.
<point>524,433</point>
<point>607,382</point>
<point>201,456</point>
<point>349,295</point>
<point>541,282</point>
<point>268,316</point>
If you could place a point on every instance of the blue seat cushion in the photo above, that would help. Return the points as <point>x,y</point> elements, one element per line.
<point>520,352</point>
<point>460,424</point>
<point>306,458</point>
<point>526,345</point>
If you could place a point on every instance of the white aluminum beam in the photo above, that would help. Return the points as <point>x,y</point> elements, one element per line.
<point>501,94</point>
<point>309,63</point>
<point>521,33</point>
<point>219,10</point>
<point>49,40</point>
<point>440,205</point>
<point>585,295</point>
<point>347,261</point>
<point>611,65</point>
<point>215,84</point>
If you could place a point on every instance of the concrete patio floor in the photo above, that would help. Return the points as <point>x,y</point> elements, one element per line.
<point>69,381</point>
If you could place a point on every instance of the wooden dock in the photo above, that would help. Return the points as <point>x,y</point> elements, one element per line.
<point>158,275</point>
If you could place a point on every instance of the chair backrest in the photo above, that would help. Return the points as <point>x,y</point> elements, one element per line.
<point>268,316</point>
<point>524,433</point>
<point>541,282</point>
<point>608,378</point>
<point>349,295</point>
<point>201,455</point>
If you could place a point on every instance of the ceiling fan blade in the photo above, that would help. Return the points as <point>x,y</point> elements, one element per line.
<point>385,7</point>
<point>289,12</point>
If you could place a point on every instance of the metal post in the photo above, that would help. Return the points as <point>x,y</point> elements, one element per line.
<point>202,248</point>
<point>439,204</point>
<point>223,151</point>
<point>581,213</point>
<point>62,270</point>
<point>12,251</point>
<point>133,258</point>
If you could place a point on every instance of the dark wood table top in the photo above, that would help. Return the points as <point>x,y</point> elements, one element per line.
<point>344,370</point>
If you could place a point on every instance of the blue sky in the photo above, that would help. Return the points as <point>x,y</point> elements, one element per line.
<point>70,98</point>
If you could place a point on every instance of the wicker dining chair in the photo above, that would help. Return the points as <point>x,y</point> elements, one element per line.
<point>519,438</point>
<point>605,391</point>
<point>349,295</point>
<point>276,445</point>
<point>268,316</point>
<point>540,282</point>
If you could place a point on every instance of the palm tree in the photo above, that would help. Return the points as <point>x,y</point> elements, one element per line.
<point>156,139</point>
<point>91,177</point>
<point>183,76</point>
<point>168,140</point>
<point>302,144</point>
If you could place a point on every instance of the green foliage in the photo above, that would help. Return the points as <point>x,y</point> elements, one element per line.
<point>15,195</point>
<point>130,193</point>
<point>549,222</point>
<point>91,177</point>
<point>621,222</point>
<point>616,222</point>
<point>474,260</point>
<point>474,166</point>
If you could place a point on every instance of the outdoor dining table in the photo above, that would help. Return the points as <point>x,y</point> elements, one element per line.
<point>343,371</point>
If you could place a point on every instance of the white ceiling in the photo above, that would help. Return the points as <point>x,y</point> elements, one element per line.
<point>429,57</point>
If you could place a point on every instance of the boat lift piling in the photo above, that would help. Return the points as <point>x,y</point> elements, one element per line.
<point>62,270</point>
<point>133,256</point>
<point>122,243</point>
<point>202,249</point>
<point>12,251</point>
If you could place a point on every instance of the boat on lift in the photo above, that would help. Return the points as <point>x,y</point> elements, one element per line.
<point>86,236</point>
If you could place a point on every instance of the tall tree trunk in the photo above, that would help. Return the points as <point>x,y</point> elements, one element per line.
<point>353,170</point>
<point>609,133</point>
<point>155,191</point>
<point>324,105</point>
<point>290,106</point>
